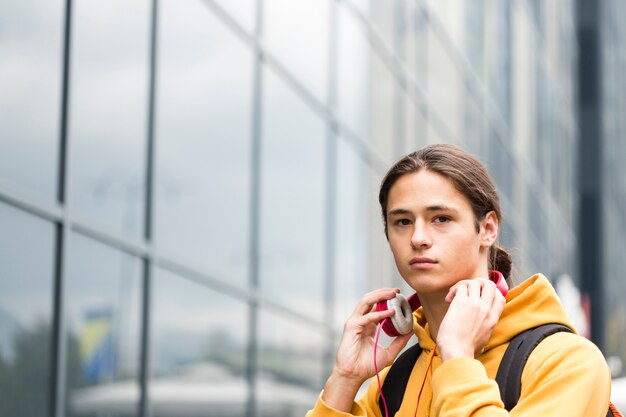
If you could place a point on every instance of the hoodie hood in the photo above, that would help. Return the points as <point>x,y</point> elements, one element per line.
<point>532,303</point>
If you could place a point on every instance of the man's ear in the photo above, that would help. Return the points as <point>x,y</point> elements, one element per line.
<point>489,227</point>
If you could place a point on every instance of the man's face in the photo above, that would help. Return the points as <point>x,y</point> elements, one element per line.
<point>432,233</point>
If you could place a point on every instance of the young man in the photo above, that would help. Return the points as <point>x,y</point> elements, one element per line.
<point>442,216</point>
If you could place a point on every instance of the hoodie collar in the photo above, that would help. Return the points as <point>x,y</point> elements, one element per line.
<point>532,303</point>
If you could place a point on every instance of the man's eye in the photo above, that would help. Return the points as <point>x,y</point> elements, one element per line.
<point>403,222</point>
<point>442,219</point>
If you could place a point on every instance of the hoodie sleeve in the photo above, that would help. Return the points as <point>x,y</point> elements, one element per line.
<point>366,406</point>
<point>322,409</point>
<point>565,375</point>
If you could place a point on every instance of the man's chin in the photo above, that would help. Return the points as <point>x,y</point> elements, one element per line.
<point>423,281</point>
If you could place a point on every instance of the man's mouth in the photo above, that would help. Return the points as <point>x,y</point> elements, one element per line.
<point>421,262</point>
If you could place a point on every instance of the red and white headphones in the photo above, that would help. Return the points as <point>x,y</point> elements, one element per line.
<point>402,321</point>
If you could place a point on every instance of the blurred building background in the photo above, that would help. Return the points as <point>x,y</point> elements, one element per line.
<point>188,188</point>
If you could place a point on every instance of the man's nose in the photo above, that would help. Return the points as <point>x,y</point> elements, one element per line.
<point>420,237</point>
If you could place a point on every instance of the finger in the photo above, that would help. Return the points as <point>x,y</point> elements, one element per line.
<point>453,292</point>
<point>369,319</point>
<point>373,297</point>
<point>377,316</point>
<point>496,306</point>
<point>494,316</point>
<point>498,302</point>
<point>473,289</point>
<point>461,289</point>
<point>450,295</point>
<point>397,345</point>
<point>488,291</point>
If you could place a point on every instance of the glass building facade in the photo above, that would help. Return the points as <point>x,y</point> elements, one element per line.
<point>188,188</point>
<point>613,173</point>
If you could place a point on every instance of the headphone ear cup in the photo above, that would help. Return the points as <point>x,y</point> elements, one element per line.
<point>401,322</point>
<point>403,318</point>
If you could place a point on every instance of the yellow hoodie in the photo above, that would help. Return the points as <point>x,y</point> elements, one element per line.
<point>566,375</point>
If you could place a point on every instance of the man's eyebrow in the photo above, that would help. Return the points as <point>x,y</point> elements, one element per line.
<point>436,207</point>
<point>398,212</point>
<point>441,207</point>
<point>433,208</point>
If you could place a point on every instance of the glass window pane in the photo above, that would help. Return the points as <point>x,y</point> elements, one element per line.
<point>353,86</point>
<point>414,40</point>
<point>31,46</point>
<point>363,6</point>
<point>291,366</point>
<point>109,111</point>
<point>449,15</point>
<point>26,294</point>
<point>293,200</point>
<point>445,90</point>
<point>203,140</point>
<point>382,109</point>
<point>351,232</point>
<point>475,127</point>
<point>198,350</point>
<point>365,106</point>
<point>415,126</point>
<point>103,313</point>
<point>243,11</point>
<point>296,32</point>
<point>501,165</point>
<point>381,16</point>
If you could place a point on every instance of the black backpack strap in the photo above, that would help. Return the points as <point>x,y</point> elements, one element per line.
<point>397,379</point>
<point>509,377</point>
<point>613,412</point>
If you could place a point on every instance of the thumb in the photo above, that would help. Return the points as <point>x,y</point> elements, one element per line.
<point>397,345</point>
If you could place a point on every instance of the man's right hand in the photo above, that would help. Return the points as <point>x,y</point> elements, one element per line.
<point>354,362</point>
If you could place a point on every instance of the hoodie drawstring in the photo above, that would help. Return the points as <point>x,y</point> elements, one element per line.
<point>430,363</point>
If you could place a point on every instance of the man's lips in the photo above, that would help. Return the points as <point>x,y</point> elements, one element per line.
<point>422,262</point>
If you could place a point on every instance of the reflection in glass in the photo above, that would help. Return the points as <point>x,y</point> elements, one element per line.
<point>351,233</point>
<point>353,87</point>
<point>363,6</point>
<point>293,200</point>
<point>445,88</point>
<point>30,81</point>
<point>198,350</point>
<point>497,29</point>
<point>501,165</point>
<point>381,16</point>
<point>414,40</point>
<point>382,109</point>
<point>290,366</point>
<point>26,294</point>
<point>296,32</point>
<point>474,127</point>
<point>537,231</point>
<point>102,306</point>
<point>109,111</point>
<point>243,11</point>
<point>203,139</point>
<point>415,126</point>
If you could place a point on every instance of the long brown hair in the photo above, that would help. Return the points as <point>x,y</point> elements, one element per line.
<point>470,178</point>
